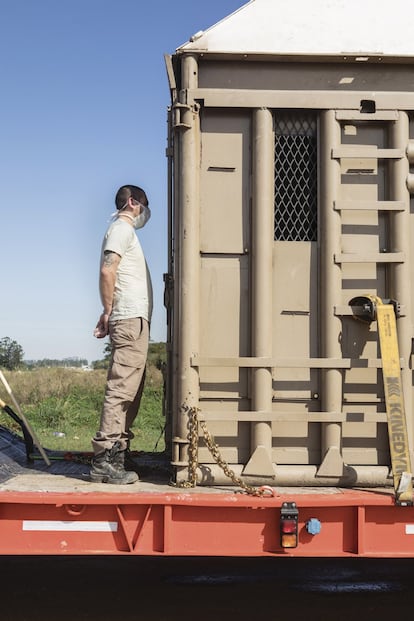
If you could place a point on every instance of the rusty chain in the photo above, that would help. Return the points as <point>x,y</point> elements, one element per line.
<point>192,452</point>
<point>214,449</point>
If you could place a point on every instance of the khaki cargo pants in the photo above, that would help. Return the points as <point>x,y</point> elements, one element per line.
<point>125,382</point>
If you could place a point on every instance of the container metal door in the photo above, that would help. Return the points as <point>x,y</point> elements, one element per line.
<point>299,212</point>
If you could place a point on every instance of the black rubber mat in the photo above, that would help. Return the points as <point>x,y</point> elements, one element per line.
<point>13,461</point>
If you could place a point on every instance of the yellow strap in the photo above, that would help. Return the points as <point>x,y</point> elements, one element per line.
<point>394,402</point>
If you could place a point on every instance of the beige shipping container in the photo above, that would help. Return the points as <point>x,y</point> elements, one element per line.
<point>291,140</point>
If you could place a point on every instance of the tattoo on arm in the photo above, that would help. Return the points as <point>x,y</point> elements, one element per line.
<point>109,258</point>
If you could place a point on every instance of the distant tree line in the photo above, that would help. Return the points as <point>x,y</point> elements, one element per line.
<point>51,362</point>
<point>12,354</point>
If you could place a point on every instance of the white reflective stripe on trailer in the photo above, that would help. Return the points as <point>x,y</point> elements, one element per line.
<point>72,526</point>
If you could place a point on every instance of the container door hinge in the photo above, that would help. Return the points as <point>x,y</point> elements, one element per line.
<point>177,111</point>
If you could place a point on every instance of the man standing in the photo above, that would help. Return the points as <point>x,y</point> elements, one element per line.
<point>126,294</point>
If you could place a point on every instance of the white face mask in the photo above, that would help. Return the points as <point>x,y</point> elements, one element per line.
<point>139,221</point>
<point>142,219</point>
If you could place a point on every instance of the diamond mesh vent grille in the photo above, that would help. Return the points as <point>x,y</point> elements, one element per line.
<point>295,176</point>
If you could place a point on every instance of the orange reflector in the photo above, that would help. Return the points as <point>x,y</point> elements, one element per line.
<point>289,541</point>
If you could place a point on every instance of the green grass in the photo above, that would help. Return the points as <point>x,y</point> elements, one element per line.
<point>69,401</point>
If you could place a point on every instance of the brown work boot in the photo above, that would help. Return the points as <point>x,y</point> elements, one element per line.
<point>108,467</point>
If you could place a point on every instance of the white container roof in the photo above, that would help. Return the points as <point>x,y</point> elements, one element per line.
<point>312,27</point>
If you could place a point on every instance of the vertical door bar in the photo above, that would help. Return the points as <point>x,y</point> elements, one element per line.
<point>189,253</point>
<point>262,279</point>
<point>169,291</point>
<point>400,273</point>
<point>330,291</point>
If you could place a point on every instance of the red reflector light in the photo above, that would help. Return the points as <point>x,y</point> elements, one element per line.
<point>289,526</point>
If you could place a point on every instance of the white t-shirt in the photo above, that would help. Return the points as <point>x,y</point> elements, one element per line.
<point>133,288</point>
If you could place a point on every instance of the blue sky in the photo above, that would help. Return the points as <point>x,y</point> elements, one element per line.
<point>84,106</point>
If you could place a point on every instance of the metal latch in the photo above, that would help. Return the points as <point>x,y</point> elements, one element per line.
<point>365,307</point>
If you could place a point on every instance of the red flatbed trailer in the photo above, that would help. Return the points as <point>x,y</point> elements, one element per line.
<point>57,510</point>
<point>178,523</point>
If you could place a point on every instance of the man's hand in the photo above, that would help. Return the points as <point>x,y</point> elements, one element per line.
<point>102,327</point>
